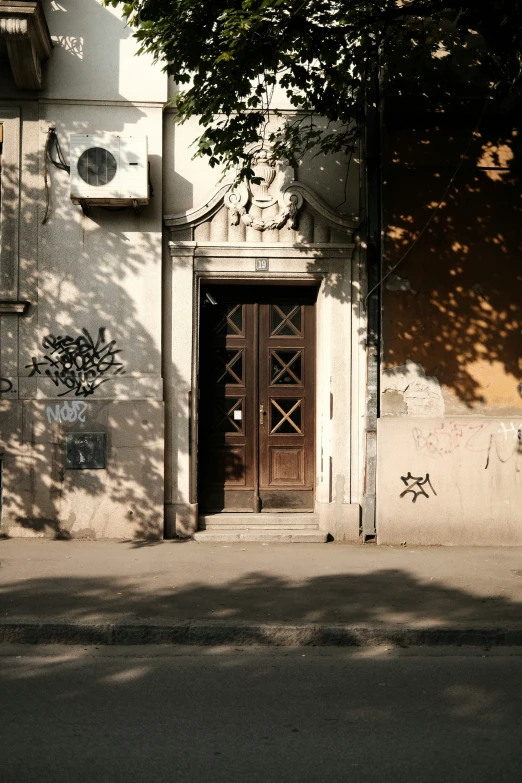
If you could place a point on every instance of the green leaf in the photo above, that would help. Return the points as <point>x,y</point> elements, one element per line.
<point>325,55</point>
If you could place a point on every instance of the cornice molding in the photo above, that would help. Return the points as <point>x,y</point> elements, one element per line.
<point>24,29</point>
<point>271,250</point>
<point>192,217</point>
<point>13,308</point>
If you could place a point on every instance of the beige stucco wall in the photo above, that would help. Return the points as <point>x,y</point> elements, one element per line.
<point>94,56</point>
<point>475,491</point>
<point>109,270</point>
<point>100,270</point>
<point>451,375</point>
<point>44,498</point>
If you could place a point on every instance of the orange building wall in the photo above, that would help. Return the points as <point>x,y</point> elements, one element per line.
<point>453,307</point>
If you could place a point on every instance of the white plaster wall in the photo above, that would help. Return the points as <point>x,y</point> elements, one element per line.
<point>101,270</point>
<point>475,471</point>
<point>189,181</point>
<point>94,56</point>
<point>104,268</point>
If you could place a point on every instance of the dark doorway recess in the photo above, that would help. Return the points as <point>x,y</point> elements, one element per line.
<point>256,430</point>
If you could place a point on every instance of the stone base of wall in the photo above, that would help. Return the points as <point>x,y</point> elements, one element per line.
<point>43,497</point>
<point>181,520</point>
<point>341,520</point>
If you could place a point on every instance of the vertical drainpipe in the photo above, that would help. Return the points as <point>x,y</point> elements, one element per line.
<point>373,206</point>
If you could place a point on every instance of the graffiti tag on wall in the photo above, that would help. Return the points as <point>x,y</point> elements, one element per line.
<point>79,365</point>
<point>448,437</point>
<point>66,412</point>
<point>504,442</point>
<point>513,432</point>
<point>5,385</point>
<point>417,486</point>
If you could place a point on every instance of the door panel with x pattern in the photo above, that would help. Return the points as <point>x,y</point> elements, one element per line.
<point>286,389</point>
<point>227,462</point>
<point>256,420</point>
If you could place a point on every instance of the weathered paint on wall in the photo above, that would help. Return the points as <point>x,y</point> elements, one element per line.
<point>43,498</point>
<point>450,481</point>
<point>458,313</point>
<point>407,391</point>
<point>449,437</point>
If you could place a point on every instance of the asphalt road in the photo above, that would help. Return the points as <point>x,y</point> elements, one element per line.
<point>257,716</point>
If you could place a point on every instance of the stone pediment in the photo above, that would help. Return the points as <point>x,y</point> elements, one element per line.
<point>277,208</point>
<point>25,32</point>
<point>221,219</point>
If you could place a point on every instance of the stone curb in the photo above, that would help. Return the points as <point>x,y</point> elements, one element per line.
<point>251,634</point>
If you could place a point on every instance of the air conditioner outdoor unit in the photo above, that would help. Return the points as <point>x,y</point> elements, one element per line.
<point>109,169</point>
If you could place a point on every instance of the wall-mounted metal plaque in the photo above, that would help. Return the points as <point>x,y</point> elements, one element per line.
<point>85,450</point>
<point>261,264</point>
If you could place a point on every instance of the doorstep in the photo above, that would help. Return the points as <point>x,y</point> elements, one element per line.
<point>269,528</point>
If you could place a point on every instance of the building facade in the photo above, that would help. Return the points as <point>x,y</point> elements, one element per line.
<point>452,326</point>
<point>202,360</point>
<point>106,347</point>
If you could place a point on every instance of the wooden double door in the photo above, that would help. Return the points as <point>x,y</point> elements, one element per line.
<point>256,422</point>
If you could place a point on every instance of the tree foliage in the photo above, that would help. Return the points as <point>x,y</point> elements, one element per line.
<point>229,56</point>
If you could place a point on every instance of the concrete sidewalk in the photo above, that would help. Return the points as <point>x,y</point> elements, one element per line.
<point>108,592</point>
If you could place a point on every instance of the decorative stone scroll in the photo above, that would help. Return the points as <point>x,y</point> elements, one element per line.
<point>25,31</point>
<point>277,186</point>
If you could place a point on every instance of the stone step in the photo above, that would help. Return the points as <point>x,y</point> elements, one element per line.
<point>282,528</point>
<point>280,536</point>
<point>259,526</point>
<point>254,524</point>
<point>209,521</point>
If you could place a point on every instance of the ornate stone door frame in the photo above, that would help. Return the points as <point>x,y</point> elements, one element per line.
<point>332,265</point>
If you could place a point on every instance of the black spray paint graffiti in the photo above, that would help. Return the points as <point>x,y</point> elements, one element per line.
<point>5,385</point>
<point>79,364</point>
<point>505,451</point>
<point>415,485</point>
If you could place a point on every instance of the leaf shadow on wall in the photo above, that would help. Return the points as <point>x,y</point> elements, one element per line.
<point>91,274</point>
<point>453,305</point>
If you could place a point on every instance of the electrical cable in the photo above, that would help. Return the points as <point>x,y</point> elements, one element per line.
<point>61,163</point>
<point>441,202</point>
<point>46,179</point>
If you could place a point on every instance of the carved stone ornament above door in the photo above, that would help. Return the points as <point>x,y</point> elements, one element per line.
<point>24,29</point>
<point>275,187</point>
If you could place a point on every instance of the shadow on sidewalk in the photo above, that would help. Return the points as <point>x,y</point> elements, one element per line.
<point>391,596</point>
<point>283,716</point>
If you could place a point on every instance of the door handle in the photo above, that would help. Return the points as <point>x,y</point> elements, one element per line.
<point>261,415</point>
